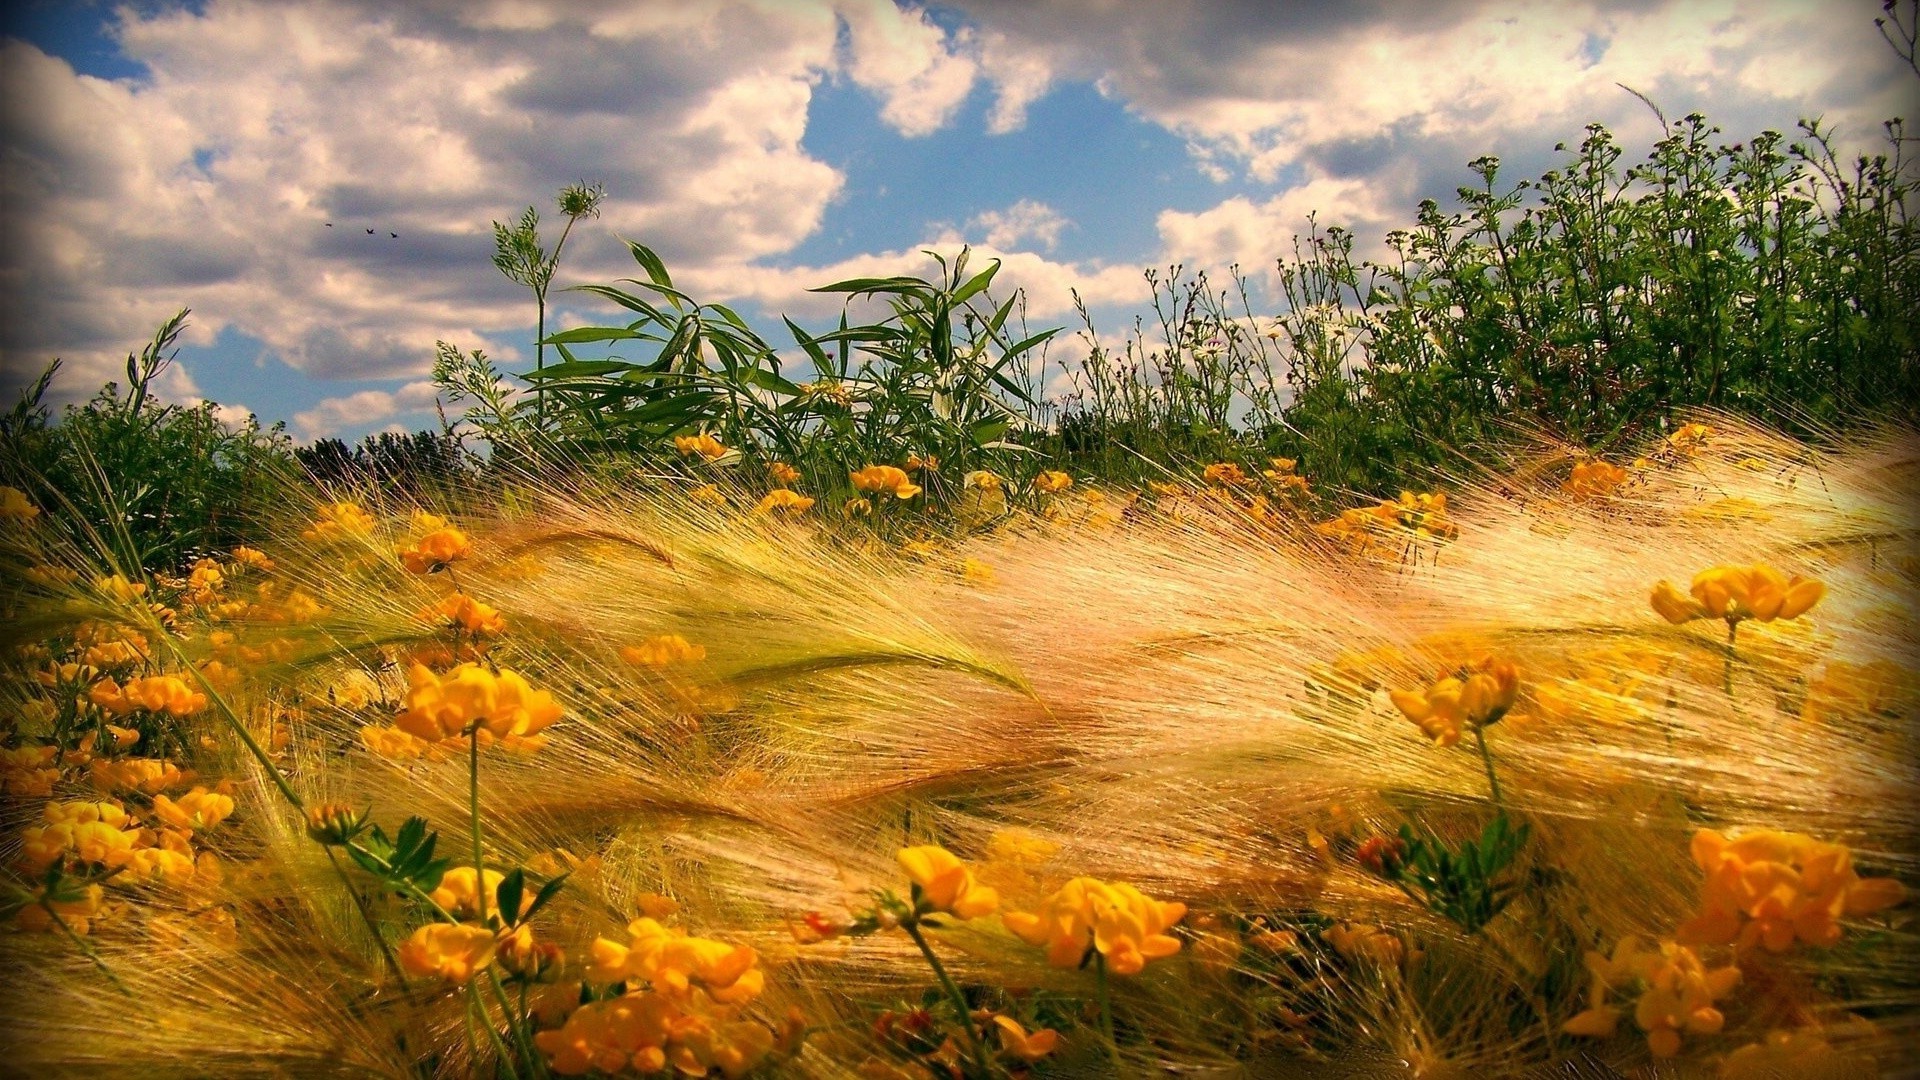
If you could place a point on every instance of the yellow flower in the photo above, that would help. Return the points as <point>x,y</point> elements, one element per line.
<point>703,445</point>
<point>1592,480</point>
<point>75,906</point>
<point>1115,919</point>
<point>117,587</point>
<point>468,614</point>
<point>334,824</point>
<point>1770,888</point>
<point>1015,1041</point>
<point>663,651</point>
<point>338,521</point>
<point>672,961</point>
<point>197,809</point>
<point>708,494</point>
<point>885,479</point>
<point>470,698</point>
<point>1052,482</point>
<point>455,952</point>
<point>857,508</point>
<point>783,499</point>
<point>149,776</point>
<point>391,742</point>
<point>945,884</point>
<point>1480,695</point>
<point>916,463</point>
<point>783,474</point>
<point>1676,993</point>
<point>1674,607</point>
<point>14,505</point>
<point>983,480</point>
<point>427,522</point>
<point>456,893</point>
<point>251,559</point>
<point>436,551</point>
<point>1224,473</point>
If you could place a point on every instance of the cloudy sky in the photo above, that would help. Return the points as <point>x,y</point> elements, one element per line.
<point>168,155</point>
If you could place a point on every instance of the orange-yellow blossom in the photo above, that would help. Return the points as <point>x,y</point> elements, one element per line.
<point>168,694</point>
<point>885,479</point>
<point>783,499</point>
<point>1773,888</point>
<point>663,650</point>
<point>1113,918</point>
<point>15,506</point>
<point>1224,473</point>
<point>436,550</point>
<point>468,614</point>
<point>470,698</point>
<point>672,961</point>
<point>338,521</point>
<point>197,809</point>
<point>455,952</point>
<point>1676,993</point>
<point>783,474</point>
<point>1736,593</point>
<point>945,884</point>
<point>1481,694</point>
<point>702,445</point>
<point>1016,1041</point>
<point>1593,480</point>
<point>456,893</point>
<point>1052,482</point>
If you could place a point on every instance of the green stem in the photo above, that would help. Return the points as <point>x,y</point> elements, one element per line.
<point>502,1055</point>
<point>366,915</point>
<point>1106,1010</point>
<point>953,994</point>
<point>1486,756</point>
<point>514,1021</point>
<point>473,808</point>
<point>1733,628</point>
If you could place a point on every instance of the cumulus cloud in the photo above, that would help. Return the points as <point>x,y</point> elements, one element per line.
<point>414,401</point>
<point>1024,221</point>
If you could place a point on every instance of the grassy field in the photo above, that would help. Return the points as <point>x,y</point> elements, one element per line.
<point>1498,661</point>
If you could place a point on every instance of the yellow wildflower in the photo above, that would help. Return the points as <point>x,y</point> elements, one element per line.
<point>1807,1053</point>
<point>197,809</point>
<point>783,474</point>
<point>76,907</point>
<point>916,463</point>
<point>885,479</point>
<point>1225,474</point>
<point>168,694</point>
<point>1676,993</point>
<point>455,952</point>
<point>251,559</point>
<point>1052,482</point>
<point>1478,696</point>
<point>14,505</point>
<point>456,893</point>
<point>436,551</point>
<point>663,651</point>
<point>1737,593</point>
<point>783,499</point>
<point>708,494</point>
<point>470,698</point>
<point>944,883</point>
<point>1592,480</point>
<point>1016,1041</point>
<point>149,776</point>
<point>672,961</point>
<point>468,614</point>
<point>1115,919</point>
<point>338,521</point>
<point>1770,888</point>
<point>703,445</point>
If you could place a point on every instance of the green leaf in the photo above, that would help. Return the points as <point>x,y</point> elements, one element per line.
<point>507,896</point>
<point>650,262</point>
<point>977,285</point>
<point>583,334</point>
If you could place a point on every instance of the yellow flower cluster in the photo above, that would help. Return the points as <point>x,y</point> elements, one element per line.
<point>650,1032</point>
<point>436,551</point>
<point>471,698</point>
<point>1052,482</point>
<point>703,446</point>
<point>339,521</point>
<point>464,612</point>
<point>457,894</point>
<point>885,480</point>
<point>1225,474</point>
<point>663,651</point>
<point>14,505</point>
<point>1479,695</point>
<point>1282,475</point>
<point>167,694</point>
<point>1113,918</point>
<point>784,499</point>
<point>1737,593</point>
<point>1424,516</point>
<point>672,961</point>
<point>454,952</point>
<point>783,474</point>
<point>1772,888</point>
<point>1676,993</point>
<point>944,884</point>
<point>1592,479</point>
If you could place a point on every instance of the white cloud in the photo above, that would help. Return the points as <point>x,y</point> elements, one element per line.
<point>415,400</point>
<point>1026,220</point>
<point>903,56</point>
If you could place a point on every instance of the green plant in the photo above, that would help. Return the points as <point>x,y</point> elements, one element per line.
<point>148,484</point>
<point>517,253</point>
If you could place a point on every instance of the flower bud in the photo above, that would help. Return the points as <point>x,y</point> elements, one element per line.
<point>334,824</point>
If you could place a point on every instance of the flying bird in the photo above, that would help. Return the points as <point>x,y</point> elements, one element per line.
<point>395,235</point>
<point>369,232</point>
<point>329,224</point>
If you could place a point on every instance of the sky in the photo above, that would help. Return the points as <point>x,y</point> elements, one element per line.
<point>161,155</point>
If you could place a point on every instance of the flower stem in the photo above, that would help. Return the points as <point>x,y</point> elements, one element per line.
<point>1486,756</point>
<point>360,904</point>
<point>953,994</point>
<point>473,807</point>
<point>1733,628</point>
<point>503,1057</point>
<point>1106,1009</point>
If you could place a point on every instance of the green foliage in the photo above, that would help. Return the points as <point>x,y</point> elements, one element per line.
<point>1468,886</point>
<point>418,464</point>
<point>146,484</point>
<point>405,861</point>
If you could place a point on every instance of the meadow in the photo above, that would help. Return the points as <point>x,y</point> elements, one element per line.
<point>1500,661</point>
